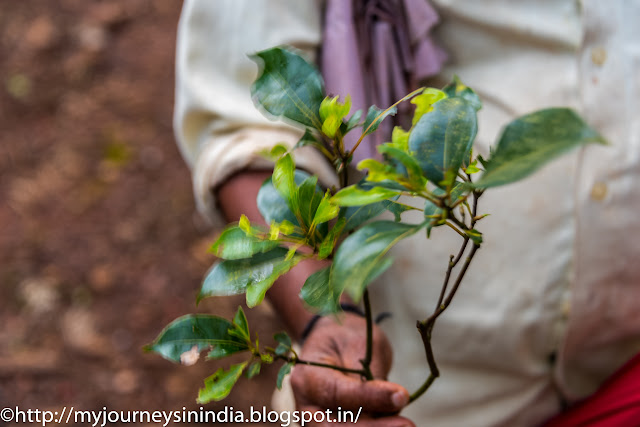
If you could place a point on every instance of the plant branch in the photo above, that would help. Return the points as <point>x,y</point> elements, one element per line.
<point>425,327</point>
<point>297,361</point>
<point>366,362</point>
<point>365,132</point>
<point>454,228</point>
<point>425,333</point>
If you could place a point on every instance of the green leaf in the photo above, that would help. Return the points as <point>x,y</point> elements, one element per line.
<point>283,372</point>
<point>284,343</point>
<point>332,113</point>
<point>356,196</point>
<point>358,215</point>
<point>457,89</point>
<point>377,171</point>
<point>329,242</point>
<point>531,141</point>
<point>319,294</point>
<point>251,275</point>
<point>201,331</point>
<point>442,139</point>
<point>424,102</point>
<point>375,116</point>
<point>396,208</point>
<point>256,290</point>
<point>309,196</point>
<point>219,385</point>
<point>326,211</point>
<point>360,258</point>
<point>254,369</point>
<point>271,204</point>
<point>241,324</point>
<point>475,236</point>
<point>400,139</point>
<point>416,179</point>
<point>284,181</point>
<point>353,122</point>
<point>266,358</point>
<point>472,168</point>
<point>234,243</point>
<point>308,138</point>
<point>288,86</point>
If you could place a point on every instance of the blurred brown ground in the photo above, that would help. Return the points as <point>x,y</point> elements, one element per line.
<point>100,245</point>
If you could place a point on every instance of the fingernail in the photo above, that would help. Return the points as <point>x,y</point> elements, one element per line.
<point>399,399</point>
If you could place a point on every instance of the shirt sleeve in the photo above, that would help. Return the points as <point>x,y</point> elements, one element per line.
<point>218,129</point>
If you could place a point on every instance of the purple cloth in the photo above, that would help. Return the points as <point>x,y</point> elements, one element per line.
<point>378,51</point>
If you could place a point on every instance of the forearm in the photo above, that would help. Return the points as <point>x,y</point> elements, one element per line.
<point>237,196</point>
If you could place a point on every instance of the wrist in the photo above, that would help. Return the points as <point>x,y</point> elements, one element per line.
<point>311,324</point>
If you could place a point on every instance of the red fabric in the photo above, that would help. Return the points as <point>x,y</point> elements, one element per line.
<point>615,404</point>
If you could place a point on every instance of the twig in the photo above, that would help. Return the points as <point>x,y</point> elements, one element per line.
<point>366,362</point>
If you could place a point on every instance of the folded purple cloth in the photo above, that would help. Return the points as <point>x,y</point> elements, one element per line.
<point>377,51</point>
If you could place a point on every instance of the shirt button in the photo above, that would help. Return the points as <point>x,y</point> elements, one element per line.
<point>599,191</point>
<point>598,55</point>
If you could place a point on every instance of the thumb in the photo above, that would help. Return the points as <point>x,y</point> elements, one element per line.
<point>330,389</point>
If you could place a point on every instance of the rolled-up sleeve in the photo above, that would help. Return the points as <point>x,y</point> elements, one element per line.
<point>218,129</point>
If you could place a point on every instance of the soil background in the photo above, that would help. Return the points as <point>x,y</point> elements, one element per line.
<point>100,243</point>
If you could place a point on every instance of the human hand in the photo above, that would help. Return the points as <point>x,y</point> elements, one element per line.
<point>342,342</point>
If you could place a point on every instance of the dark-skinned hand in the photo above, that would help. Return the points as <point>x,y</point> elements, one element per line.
<point>342,342</point>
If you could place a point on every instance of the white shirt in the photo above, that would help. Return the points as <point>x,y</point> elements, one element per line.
<point>551,304</point>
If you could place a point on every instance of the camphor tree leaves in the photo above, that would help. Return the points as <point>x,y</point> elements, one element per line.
<point>427,168</point>
<point>531,141</point>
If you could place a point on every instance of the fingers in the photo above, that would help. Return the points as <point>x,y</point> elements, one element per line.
<point>364,420</point>
<point>331,389</point>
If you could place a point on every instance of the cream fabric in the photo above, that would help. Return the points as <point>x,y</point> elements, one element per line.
<point>552,303</point>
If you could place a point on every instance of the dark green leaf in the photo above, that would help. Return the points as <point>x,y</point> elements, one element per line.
<point>309,197</point>
<point>409,162</point>
<point>241,324</point>
<point>375,116</point>
<point>234,243</point>
<point>319,294</point>
<point>358,215</point>
<point>256,290</point>
<point>442,139</point>
<point>308,139</point>
<point>353,121</point>
<point>201,331</point>
<point>396,208</point>
<point>271,204</point>
<point>457,88</point>
<point>254,369</point>
<point>283,372</point>
<point>251,275</point>
<point>531,141</point>
<point>219,385</point>
<point>283,338</point>
<point>329,242</point>
<point>360,258</point>
<point>288,86</point>
<point>284,343</point>
<point>356,196</point>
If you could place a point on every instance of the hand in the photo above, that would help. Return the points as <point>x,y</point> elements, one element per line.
<point>342,342</point>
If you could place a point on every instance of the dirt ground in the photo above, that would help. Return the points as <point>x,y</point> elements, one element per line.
<point>100,244</point>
